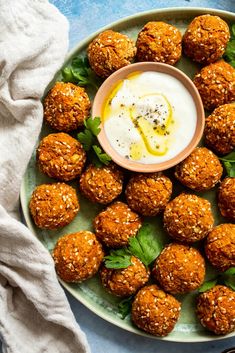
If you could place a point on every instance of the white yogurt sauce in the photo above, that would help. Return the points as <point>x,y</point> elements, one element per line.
<point>149,117</point>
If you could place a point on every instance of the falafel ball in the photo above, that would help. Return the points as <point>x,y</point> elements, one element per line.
<point>159,42</point>
<point>110,51</point>
<point>216,84</point>
<point>116,224</point>
<point>206,38</point>
<point>220,246</point>
<point>200,171</point>
<point>125,282</point>
<point>77,256</point>
<point>53,206</point>
<point>155,311</point>
<point>188,218</point>
<point>216,310</point>
<point>179,269</point>
<point>66,106</point>
<point>226,198</point>
<point>148,193</point>
<point>101,185</point>
<point>60,156</point>
<point>220,129</point>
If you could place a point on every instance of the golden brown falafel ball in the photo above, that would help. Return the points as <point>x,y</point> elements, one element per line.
<point>159,42</point>
<point>148,193</point>
<point>101,185</point>
<point>226,198</point>
<point>216,310</point>
<point>77,256</point>
<point>66,106</point>
<point>155,311</point>
<point>200,171</point>
<point>188,218</point>
<point>206,38</point>
<point>110,51</point>
<point>216,84</point>
<point>220,246</point>
<point>220,129</point>
<point>61,156</point>
<point>179,269</point>
<point>125,282</point>
<point>116,224</point>
<point>53,206</point>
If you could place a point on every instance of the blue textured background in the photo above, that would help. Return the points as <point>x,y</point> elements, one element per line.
<point>85,17</point>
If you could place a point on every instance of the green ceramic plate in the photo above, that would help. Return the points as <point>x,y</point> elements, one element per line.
<point>90,293</point>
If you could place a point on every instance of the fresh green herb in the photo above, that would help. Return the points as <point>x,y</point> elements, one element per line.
<point>88,139</point>
<point>229,164</point>
<point>124,307</point>
<point>145,246</point>
<point>207,285</point>
<point>80,73</point>
<point>229,54</point>
<point>120,258</point>
<point>227,277</point>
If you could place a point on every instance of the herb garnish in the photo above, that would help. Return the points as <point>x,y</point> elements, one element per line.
<point>80,73</point>
<point>88,139</point>
<point>124,307</point>
<point>229,54</point>
<point>146,246</point>
<point>226,277</point>
<point>229,163</point>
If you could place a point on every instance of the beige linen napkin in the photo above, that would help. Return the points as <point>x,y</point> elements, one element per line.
<point>35,316</point>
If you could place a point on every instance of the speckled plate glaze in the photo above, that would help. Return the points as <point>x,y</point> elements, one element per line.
<point>91,293</point>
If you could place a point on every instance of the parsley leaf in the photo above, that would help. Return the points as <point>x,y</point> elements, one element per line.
<point>93,124</point>
<point>102,156</point>
<point>229,54</point>
<point>80,73</point>
<point>230,282</point>
<point>120,258</point>
<point>145,245</point>
<point>207,285</point>
<point>229,164</point>
<point>124,307</point>
<point>230,271</point>
<point>86,138</point>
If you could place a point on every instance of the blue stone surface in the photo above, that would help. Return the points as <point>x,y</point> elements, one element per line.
<point>85,17</point>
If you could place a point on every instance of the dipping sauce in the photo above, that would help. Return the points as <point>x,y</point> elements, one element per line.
<point>149,117</point>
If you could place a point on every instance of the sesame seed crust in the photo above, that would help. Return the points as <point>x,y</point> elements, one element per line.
<point>220,129</point>
<point>216,310</point>
<point>159,42</point>
<point>179,269</point>
<point>125,282</point>
<point>220,246</point>
<point>155,311</point>
<point>200,171</point>
<point>148,193</point>
<point>77,256</point>
<point>188,218</point>
<point>116,224</point>
<point>60,156</point>
<point>53,206</point>
<point>66,106</point>
<point>206,38</point>
<point>226,198</point>
<point>110,51</point>
<point>101,185</point>
<point>216,84</point>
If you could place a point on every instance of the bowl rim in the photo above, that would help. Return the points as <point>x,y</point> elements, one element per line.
<point>107,86</point>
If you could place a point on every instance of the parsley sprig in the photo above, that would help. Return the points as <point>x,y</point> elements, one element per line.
<point>88,139</point>
<point>229,54</point>
<point>226,277</point>
<point>146,246</point>
<point>124,307</point>
<point>80,73</point>
<point>229,163</point>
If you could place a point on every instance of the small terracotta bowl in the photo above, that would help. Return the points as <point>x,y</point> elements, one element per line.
<point>106,88</point>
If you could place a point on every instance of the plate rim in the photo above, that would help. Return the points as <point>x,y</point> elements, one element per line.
<point>25,216</point>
